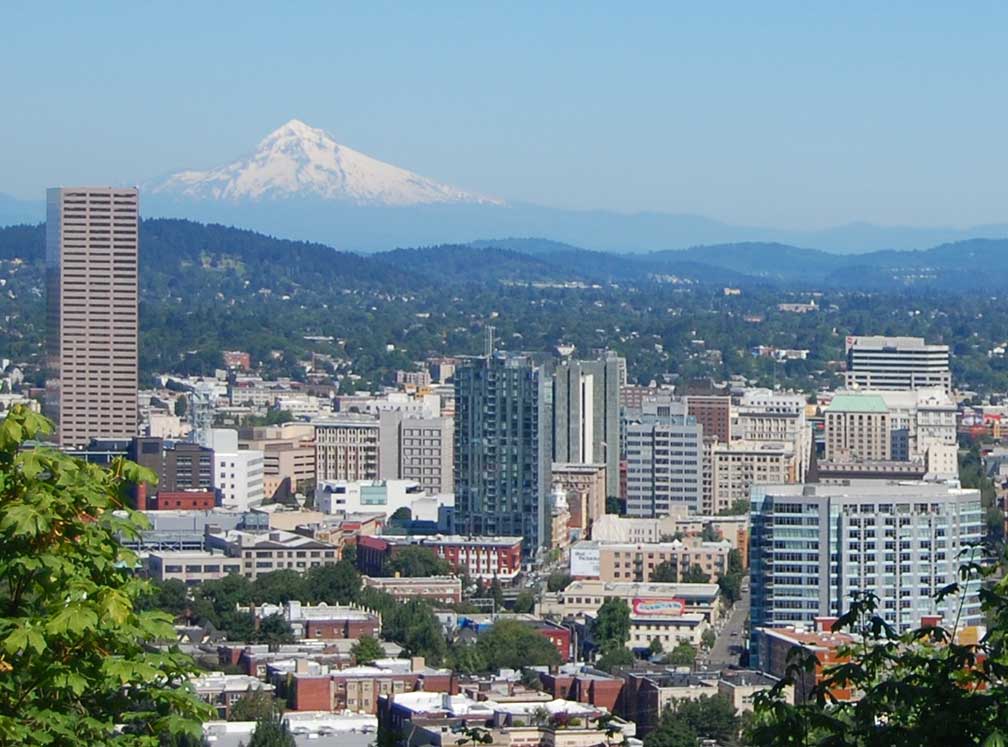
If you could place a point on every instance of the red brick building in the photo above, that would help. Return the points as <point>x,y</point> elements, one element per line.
<point>713,412</point>
<point>601,691</point>
<point>357,689</point>
<point>182,500</point>
<point>556,634</point>
<point>481,557</point>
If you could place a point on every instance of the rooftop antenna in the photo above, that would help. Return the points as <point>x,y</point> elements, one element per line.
<point>489,341</point>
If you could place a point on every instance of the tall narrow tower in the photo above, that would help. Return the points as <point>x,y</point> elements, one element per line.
<point>92,240</point>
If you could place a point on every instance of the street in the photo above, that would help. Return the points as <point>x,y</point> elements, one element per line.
<point>727,647</point>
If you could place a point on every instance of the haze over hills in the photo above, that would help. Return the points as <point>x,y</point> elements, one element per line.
<point>173,246</point>
<point>302,184</point>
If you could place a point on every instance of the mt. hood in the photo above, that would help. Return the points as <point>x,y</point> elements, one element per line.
<point>301,161</point>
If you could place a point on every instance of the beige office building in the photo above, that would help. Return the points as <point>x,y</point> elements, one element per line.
<point>92,240</point>
<point>857,429</point>
<point>346,448</point>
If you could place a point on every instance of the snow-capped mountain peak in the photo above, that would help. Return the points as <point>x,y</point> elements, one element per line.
<point>297,160</point>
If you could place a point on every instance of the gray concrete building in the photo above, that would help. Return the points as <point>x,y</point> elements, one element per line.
<point>503,434</point>
<point>664,455</point>
<point>415,448</point>
<point>586,414</point>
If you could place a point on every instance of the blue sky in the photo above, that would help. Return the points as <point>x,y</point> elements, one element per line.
<point>784,114</point>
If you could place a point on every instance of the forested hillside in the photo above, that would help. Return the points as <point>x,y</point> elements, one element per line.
<point>208,288</point>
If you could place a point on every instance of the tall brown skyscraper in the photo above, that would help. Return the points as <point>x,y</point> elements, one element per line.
<point>92,239</point>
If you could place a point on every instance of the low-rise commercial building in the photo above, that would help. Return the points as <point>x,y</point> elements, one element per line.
<point>380,496</point>
<point>443,589</point>
<point>189,567</point>
<point>263,552</point>
<point>357,689</point>
<point>182,500</point>
<point>585,597</point>
<point>323,622</point>
<point>739,687</point>
<point>222,690</point>
<point>646,695</point>
<point>637,561</point>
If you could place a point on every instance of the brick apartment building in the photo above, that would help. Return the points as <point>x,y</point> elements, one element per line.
<point>481,557</point>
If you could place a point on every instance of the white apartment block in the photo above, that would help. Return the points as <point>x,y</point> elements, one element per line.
<point>238,474</point>
<point>878,362</point>
<point>813,546</point>
<point>379,496</point>
<point>347,447</point>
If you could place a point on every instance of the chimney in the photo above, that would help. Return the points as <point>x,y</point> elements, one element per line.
<point>825,623</point>
<point>301,666</point>
<point>417,664</point>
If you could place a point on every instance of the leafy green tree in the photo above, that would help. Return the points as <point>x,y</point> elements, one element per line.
<point>255,705</point>
<point>611,626</point>
<point>710,534</point>
<point>467,659</point>
<point>675,733</point>
<point>272,732</point>
<point>683,655</point>
<point>707,717</point>
<point>222,597</point>
<point>666,572</point>
<point>474,735</point>
<point>367,649</point>
<point>558,581</point>
<point>735,561</point>
<point>731,587</point>
<point>512,644</point>
<point>655,647</point>
<point>274,630</point>
<point>415,561</point>
<point>73,659</point>
<point>181,404</point>
<point>339,583</point>
<point>402,515</point>
<point>171,596</point>
<point>739,507</point>
<point>524,602</point>
<point>613,656</point>
<point>926,687</point>
<point>279,587</point>
<point>695,575</point>
<point>411,624</point>
<point>239,626</point>
<point>708,638</point>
